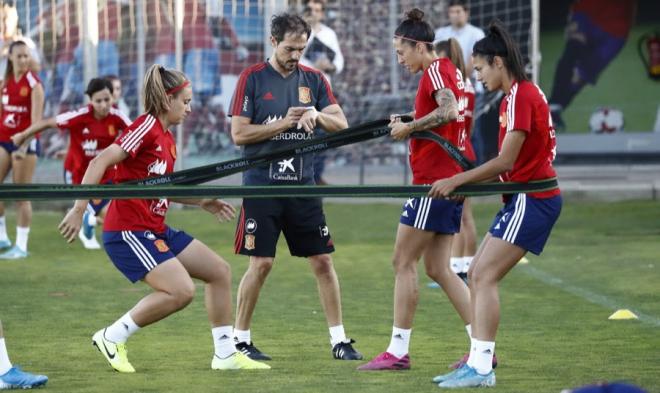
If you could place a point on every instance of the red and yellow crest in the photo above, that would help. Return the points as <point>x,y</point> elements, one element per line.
<point>304,95</point>
<point>24,91</point>
<point>161,245</point>
<point>249,242</point>
<point>173,151</point>
<point>111,130</point>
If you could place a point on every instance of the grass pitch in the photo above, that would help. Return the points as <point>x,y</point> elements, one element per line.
<point>554,331</point>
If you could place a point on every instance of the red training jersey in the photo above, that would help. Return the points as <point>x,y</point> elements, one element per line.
<point>526,109</point>
<point>17,105</point>
<point>88,137</point>
<point>469,103</point>
<point>152,152</point>
<point>428,161</point>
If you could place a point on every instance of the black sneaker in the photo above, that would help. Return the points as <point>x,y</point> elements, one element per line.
<point>345,351</point>
<point>251,351</point>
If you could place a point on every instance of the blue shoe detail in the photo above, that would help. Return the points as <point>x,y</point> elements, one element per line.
<point>470,379</point>
<point>5,244</point>
<point>88,230</point>
<point>16,378</point>
<point>453,374</point>
<point>14,253</point>
<point>433,284</point>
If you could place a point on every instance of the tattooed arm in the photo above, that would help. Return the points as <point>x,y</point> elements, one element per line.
<point>446,112</point>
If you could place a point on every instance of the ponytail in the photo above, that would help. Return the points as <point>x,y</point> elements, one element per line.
<point>415,29</point>
<point>452,50</point>
<point>160,82</point>
<point>498,42</point>
<point>9,70</point>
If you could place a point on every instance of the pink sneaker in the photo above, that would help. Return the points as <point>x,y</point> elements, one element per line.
<point>387,361</point>
<point>464,360</point>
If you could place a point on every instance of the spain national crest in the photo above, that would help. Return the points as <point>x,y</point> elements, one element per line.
<point>173,151</point>
<point>304,95</point>
<point>249,242</point>
<point>503,121</point>
<point>161,245</point>
<point>24,91</point>
<point>111,130</point>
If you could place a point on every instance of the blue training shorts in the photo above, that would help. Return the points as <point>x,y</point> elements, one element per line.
<point>136,253</point>
<point>526,221</point>
<point>434,215</point>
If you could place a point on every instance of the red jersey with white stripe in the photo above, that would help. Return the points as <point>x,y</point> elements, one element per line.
<point>429,162</point>
<point>88,137</point>
<point>526,109</point>
<point>469,119</point>
<point>17,105</point>
<point>152,152</point>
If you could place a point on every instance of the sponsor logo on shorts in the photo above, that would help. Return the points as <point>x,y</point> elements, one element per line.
<point>161,245</point>
<point>250,225</point>
<point>249,242</point>
<point>323,229</point>
<point>149,235</point>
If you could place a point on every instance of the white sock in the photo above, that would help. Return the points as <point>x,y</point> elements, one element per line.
<point>3,228</point>
<point>337,334</point>
<point>473,349</point>
<point>483,355</point>
<point>456,264</point>
<point>468,329</point>
<point>22,237</point>
<point>5,364</point>
<point>467,261</point>
<point>222,341</point>
<point>400,342</point>
<point>122,329</point>
<point>91,219</point>
<point>242,336</point>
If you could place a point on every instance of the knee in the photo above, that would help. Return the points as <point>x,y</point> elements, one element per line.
<point>261,267</point>
<point>438,272</point>
<point>183,295</point>
<point>322,265</point>
<point>23,204</point>
<point>221,271</point>
<point>403,265</point>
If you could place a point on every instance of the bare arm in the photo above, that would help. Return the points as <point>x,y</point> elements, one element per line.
<point>446,112</point>
<point>34,129</point>
<point>37,108</point>
<point>245,133</point>
<point>511,146</point>
<point>112,155</point>
<point>331,118</point>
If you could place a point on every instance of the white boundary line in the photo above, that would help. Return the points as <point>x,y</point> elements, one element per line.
<point>592,297</point>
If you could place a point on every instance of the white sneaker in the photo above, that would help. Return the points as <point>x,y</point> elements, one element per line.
<point>88,243</point>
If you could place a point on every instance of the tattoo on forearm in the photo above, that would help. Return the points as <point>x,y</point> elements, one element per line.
<point>446,112</point>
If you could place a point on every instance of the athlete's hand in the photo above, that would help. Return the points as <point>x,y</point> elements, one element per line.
<point>21,152</point>
<point>443,188</point>
<point>308,119</point>
<point>60,154</point>
<point>219,208</point>
<point>400,130</point>
<point>293,115</point>
<point>18,138</point>
<point>70,225</point>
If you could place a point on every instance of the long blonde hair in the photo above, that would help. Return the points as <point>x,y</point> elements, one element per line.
<point>160,82</point>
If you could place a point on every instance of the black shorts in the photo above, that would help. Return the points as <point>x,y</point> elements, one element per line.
<point>301,219</point>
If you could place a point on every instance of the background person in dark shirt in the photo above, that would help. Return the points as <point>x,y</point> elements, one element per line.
<point>278,102</point>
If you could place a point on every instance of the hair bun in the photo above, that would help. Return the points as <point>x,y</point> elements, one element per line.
<point>415,14</point>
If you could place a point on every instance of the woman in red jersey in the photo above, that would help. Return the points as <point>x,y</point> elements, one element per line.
<point>142,246</point>
<point>426,225</point>
<point>527,149</point>
<point>92,128</point>
<point>22,104</point>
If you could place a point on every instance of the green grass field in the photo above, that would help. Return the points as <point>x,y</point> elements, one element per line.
<point>551,336</point>
<point>624,84</point>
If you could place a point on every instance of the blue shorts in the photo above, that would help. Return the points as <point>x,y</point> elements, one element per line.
<point>433,215</point>
<point>136,253</point>
<point>33,148</point>
<point>526,221</point>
